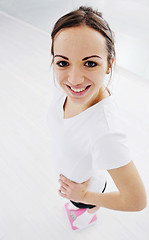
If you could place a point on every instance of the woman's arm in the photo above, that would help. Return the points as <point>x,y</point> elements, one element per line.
<point>131,195</point>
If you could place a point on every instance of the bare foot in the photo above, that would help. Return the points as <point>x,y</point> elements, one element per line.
<point>93,210</point>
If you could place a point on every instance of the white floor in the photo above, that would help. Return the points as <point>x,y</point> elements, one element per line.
<point>30,207</point>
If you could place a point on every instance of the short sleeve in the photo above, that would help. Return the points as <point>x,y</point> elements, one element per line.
<point>110,151</point>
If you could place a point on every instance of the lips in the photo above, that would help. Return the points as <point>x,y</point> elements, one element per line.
<point>76,88</point>
<point>76,93</point>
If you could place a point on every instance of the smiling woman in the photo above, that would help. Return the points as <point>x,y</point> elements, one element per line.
<point>82,71</point>
<point>87,138</point>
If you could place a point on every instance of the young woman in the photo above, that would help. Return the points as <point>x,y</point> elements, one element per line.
<point>87,137</point>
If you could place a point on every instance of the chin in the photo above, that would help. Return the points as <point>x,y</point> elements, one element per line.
<point>79,101</point>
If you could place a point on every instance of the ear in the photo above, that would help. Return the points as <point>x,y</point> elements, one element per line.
<point>110,65</point>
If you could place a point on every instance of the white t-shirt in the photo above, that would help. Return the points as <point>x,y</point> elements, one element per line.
<point>88,144</point>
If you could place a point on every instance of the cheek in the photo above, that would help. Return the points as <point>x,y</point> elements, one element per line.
<point>60,75</point>
<point>96,77</point>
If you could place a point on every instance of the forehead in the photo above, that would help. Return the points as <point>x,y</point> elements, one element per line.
<point>79,39</point>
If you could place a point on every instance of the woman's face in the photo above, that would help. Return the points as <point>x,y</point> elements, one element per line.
<point>77,67</point>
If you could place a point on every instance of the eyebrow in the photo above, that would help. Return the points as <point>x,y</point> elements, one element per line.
<point>82,59</point>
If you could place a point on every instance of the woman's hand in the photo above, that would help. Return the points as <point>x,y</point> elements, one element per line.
<point>72,190</point>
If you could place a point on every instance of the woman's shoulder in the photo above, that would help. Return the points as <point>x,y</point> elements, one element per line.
<point>108,115</point>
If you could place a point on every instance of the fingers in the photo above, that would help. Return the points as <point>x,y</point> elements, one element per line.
<point>64,190</point>
<point>62,194</point>
<point>64,179</point>
<point>67,182</point>
<point>63,184</point>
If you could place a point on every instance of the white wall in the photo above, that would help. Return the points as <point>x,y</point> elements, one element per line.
<point>129,20</point>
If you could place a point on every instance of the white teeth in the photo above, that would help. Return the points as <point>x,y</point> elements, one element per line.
<point>78,90</point>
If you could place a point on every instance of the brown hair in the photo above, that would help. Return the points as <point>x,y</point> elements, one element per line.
<point>89,17</point>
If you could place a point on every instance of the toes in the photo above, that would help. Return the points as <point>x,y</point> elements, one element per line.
<point>90,211</point>
<point>93,210</point>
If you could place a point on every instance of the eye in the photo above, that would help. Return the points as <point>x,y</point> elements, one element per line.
<point>61,63</point>
<point>91,64</point>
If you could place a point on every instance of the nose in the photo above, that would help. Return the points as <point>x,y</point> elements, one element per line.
<point>75,76</point>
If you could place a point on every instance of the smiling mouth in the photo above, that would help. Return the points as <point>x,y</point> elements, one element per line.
<point>78,90</point>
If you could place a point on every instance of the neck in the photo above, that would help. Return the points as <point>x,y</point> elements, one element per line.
<point>76,108</point>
